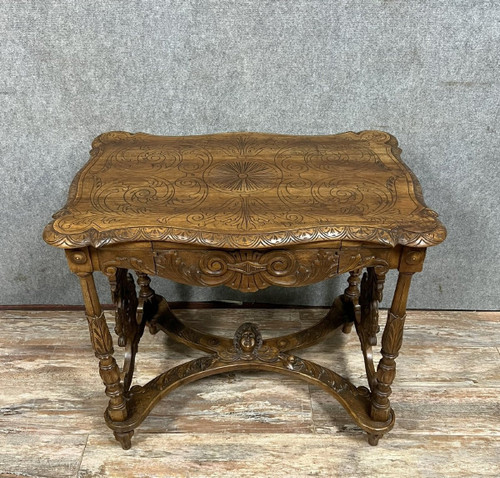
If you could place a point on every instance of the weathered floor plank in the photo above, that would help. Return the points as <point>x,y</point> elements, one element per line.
<point>38,453</point>
<point>277,455</point>
<point>250,424</point>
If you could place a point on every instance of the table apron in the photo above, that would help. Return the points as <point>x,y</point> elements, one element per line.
<point>246,270</point>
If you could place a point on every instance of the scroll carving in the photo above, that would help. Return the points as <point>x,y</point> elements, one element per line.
<point>248,211</point>
<point>129,311</point>
<point>182,371</point>
<point>121,261</point>
<point>125,300</point>
<point>247,271</point>
<point>351,259</point>
<point>247,346</point>
<point>372,287</point>
<point>242,190</point>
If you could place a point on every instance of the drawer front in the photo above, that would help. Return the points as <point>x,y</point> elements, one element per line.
<point>241,269</point>
<point>247,270</point>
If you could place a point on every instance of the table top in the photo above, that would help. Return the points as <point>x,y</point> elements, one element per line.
<point>245,190</point>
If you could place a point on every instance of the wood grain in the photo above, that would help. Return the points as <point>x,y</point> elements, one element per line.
<point>249,211</point>
<point>250,424</point>
<point>245,191</point>
<point>202,455</point>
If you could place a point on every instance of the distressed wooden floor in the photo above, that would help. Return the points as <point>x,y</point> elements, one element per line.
<point>446,398</point>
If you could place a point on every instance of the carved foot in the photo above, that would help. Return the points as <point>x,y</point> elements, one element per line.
<point>347,327</point>
<point>373,439</point>
<point>125,439</point>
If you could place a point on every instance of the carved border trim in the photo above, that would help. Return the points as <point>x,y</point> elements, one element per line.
<point>387,237</point>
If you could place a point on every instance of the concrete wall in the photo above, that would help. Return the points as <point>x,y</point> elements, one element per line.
<point>425,71</point>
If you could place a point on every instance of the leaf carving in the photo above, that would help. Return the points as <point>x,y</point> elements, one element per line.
<point>99,335</point>
<point>392,338</point>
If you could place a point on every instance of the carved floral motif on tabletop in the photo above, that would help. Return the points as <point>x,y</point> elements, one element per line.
<point>219,190</point>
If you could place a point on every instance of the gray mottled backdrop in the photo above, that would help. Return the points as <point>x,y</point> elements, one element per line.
<point>425,71</point>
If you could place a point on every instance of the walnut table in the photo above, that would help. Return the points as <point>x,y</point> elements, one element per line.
<point>248,211</point>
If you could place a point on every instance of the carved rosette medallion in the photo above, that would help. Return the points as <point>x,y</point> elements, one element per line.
<point>242,176</point>
<point>241,190</point>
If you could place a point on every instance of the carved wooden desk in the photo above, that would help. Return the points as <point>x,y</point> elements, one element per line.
<point>245,210</point>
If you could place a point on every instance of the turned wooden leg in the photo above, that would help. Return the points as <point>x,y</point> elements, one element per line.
<point>145,292</point>
<point>392,340</point>
<point>351,294</point>
<point>103,348</point>
<point>372,286</point>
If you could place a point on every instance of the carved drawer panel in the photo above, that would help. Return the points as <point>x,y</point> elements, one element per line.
<point>241,269</point>
<point>247,270</point>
